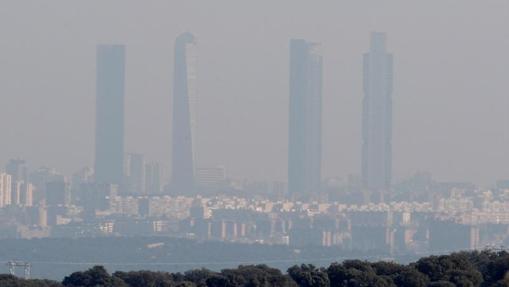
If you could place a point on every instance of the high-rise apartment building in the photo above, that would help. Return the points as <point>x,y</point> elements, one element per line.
<point>109,129</point>
<point>25,195</point>
<point>377,120</point>
<point>5,189</point>
<point>305,122</point>
<point>184,102</point>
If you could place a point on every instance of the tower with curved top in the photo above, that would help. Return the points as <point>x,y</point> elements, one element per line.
<point>184,122</point>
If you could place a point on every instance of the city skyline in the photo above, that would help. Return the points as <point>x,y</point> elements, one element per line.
<point>305,84</point>
<point>205,135</point>
<point>461,79</point>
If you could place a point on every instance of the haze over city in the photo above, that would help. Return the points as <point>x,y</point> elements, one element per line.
<point>449,98</point>
<point>254,143</point>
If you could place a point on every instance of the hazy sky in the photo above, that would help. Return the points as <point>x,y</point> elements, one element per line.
<point>451,96</point>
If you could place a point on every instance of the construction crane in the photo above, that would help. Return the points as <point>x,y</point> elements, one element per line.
<point>13,264</point>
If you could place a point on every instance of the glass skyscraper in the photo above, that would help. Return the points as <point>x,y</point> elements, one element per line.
<point>377,120</point>
<point>305,119</point>
<point>109,129</point>
<point>184,102</point>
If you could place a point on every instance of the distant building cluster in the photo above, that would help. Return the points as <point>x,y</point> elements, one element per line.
<point>420,217</point>
<point>125,195</point>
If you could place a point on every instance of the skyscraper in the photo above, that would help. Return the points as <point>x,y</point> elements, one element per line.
<point>377,120</point>
<point>109,129</point>
<point>184,101</point>
<point>305,122</point>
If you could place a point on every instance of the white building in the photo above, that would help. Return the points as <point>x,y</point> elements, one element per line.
<point>5,190</point>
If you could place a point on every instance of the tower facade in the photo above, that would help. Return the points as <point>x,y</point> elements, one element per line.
<point>184,123</point>
<point>109,129</point>
<point>377,120</point>
<point>305,118</point>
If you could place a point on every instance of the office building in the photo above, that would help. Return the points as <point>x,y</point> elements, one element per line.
<point>184,102</point>
<point>109,137</point>
<point>377,120</point>
<point>305,118</point>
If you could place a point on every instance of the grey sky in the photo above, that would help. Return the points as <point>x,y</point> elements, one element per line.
<point>450,100</point>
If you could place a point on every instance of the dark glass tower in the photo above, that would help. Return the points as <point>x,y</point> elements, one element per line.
<point>377,120</point>
<point>305,119</point>
<point>109,129</point>
<point>184,99</point>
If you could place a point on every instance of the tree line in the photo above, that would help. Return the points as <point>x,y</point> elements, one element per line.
<point>462,269</point>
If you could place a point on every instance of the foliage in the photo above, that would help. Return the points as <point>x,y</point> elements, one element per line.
<point>308,275</point>
<point>12,281</point>
<point>463,269</point>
